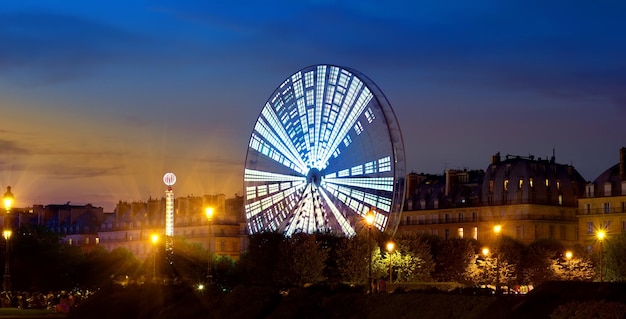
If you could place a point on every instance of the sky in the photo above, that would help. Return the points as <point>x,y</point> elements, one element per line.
<point>99,99</point>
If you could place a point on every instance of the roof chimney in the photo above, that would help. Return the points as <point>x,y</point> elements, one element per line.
<point>622,164</point>
<point>495,159</point>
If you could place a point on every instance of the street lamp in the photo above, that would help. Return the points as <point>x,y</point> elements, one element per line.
<point>155,240</point>
<point>8,199</point>
<point>390,247</point>
<point>568,257</point>
<point>497,229</point>
<point>369,219</point>
<point>601,234</point>
<point>7,268</point>
<point>209,215</point>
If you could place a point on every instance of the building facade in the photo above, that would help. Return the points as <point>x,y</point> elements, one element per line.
<point>530,198</point>
<point>603,206</point>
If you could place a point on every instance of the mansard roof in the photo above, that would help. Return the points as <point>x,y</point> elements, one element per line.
<point>524,180</point>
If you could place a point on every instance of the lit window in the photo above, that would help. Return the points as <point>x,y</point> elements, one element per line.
<point>506,184</point>
<point>520,184</point>
<point>530,182</point>
<point>460,232</point>
<point>475,233</point>
<point>547,182</point>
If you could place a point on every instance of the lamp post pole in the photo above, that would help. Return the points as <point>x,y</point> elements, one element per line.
<point>8,203</point>
<point>155,240</point>
<point>369,218</point>
<point>497,229</point>
<point>601,234</point>
<point>209,215</point>
<point>7,266</point>
<point>390,247</point>
<point>568,257</point>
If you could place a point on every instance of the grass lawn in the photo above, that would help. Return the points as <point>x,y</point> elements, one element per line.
<point>29,313</point>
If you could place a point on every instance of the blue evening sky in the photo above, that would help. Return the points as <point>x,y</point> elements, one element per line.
<point>99,99</point>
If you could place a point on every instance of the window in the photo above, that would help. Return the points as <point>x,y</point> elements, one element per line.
<point>491,185</point>
<point>558,184</point>
<point>530,183</point>
<point>607,208</point>
<point>623,225</point>
<point>475,233</point>
<point>447,234</point>
<point>461,219</point>
<point>547,182</point>
<point>408,220</point>
<point>590,228</point>
<point>460,231</point>
<point>607,189</point>
<point>551,232</point>
<point>560,199</point>
<point>520,184</point>
<point>447,217</point>
<point>506,185</point>
<point>588,208</point>
<point>474,216</point>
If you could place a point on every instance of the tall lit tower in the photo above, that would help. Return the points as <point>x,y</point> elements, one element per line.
<point>169,179</point>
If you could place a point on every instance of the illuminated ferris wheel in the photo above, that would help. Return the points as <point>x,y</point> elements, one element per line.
<point>325,150</point>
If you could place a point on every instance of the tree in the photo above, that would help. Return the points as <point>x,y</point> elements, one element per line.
<point>538,258</point>
<point>415,261</point>
<point>262,257</point>
<point>615,258</point>
<point>353,259</point>
<point>302,260</point>
<point>453,258</point>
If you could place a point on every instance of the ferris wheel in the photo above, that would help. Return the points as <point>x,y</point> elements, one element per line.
<point>325,150</point>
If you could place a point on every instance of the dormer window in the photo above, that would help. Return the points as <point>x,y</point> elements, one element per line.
<point>506,185</point>
<point>520,184</point>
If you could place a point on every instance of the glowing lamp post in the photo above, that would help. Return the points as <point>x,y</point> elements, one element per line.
<point>369,219</point>
<point>568,257</point>
<point>497,229</point>
<point>155,239</point>
<point>209,216</point>
<point>8,199</point>
<point>390,248</point>
<point>601,234</point>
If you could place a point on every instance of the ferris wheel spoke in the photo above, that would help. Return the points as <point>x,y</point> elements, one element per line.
<point>278,143</point>
<point>342,221</point>
<point>349,119</point>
